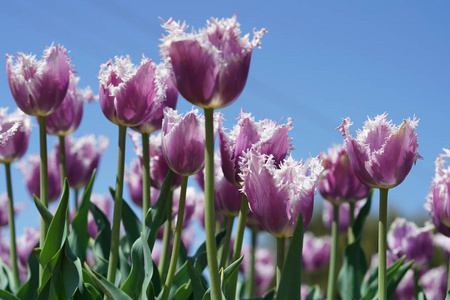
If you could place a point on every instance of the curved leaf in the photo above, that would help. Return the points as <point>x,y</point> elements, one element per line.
<point>107,287</point>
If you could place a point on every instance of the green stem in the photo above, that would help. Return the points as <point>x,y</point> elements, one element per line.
<point>117,215</point>
<point>232,283</point>
<point>12,229</point>
<point>448,275</point>
<point>76,194</point>
<point>167,237</point>
<point>416,284</point>
<point>351,214</point>
<point>281,246</point>
<point>251,277</point>
<point>145,177</point>
<point>332,273</point>
<point>176,239</point>
<point>62,159</point>
<point>43,182</point>
<point>225,255</point>
<point>382,287</point>
<point>211,251</point>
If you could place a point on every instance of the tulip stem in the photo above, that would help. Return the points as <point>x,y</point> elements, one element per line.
<point>176,239</point>
<point>382,287</point>
<point>12,229</point>
<point>145,177</point>
<point>351,216</point>
<point>225,255</point>
<point>251,277</point>
<point>62,158</point>
<point>331,287</point>
<point>448,276</point>
<point>117,215</point>
<point>43,175</point>
<point>232,283</point>
<point>211,249</point>
<point>281,246</point>
<point>167,237</point>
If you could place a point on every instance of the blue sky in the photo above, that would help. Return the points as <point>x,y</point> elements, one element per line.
<point>320,62</point>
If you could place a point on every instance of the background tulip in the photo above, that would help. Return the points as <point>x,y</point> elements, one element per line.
<point>17,144</point>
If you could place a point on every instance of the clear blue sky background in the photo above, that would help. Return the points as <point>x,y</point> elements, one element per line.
<point>320,62</point>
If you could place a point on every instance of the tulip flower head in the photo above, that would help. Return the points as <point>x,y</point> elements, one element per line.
<point>183,141</point>
<point>276,194</point>
<point>4,211</point>
<point>316,251</point>
<point>434,283</point>
<point>82,157</point>
<point>129,95</point>
<point>405,238</point>
<point>16,145</point>
<point>264,270</point>
<point>338,183</point>
<point>154,122</point>
<point>382,154</point>
<point>67,117</point>
<point>133,178</point>
<point>265,136</point>
<point>211,65</point>
<point>440,187</point>
<point>344,214</point>
<point>39,87</point>
<point>31,173</point>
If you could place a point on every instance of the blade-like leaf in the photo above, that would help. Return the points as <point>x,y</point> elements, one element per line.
<point>157,214</point>
<point>314,293</point>
<point>231,269</point>
<point>199,260</point>
<point>107,287</point>
<point>197,282</point>
<point>57,229</point>
<point>28,289</point>
<point>43,211</point>
<point>5,295</point>
<point>358,225</point>
<point>79,236</point>
<point>290,283</point>
<point>102,241</point>
<point>352,272</point>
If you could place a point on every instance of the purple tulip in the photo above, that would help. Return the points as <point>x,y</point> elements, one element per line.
<point>4,209</point>
<point>264,267</point>
<point>183,141</point>
<point>128,94</point>
<point>434,283</point>
<point>82,157</point>
<point>210,66</point>
<point>266,136</point>
<point>158,165</point>
<point>344,214</point>
<point>382,154</point>
<point>316,251</point>
<point>154,122</point>
<point>276,194</point>
<point>338,183</point>
<point>105,204</point>
<point>133,177</point>
<point>16,145</point>
<point>440,207</point>
<point>67,117</point>
<point>405,288</point>
<point>26,243</point>
<point>7,132</point>
<point>31,173</point>
<point>39,87</point>
<point>405,238</point>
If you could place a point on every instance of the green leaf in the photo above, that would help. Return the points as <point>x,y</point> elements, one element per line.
<point>183,292</point>
<point>314,294</point>
<point>352,272</point>
<point>107,287</point>
<point>79,236</point>
<point>270,295</point>
<point>448,295</point>
<point>5,295</point>
<point>6,276</point>
<point>28,289</point>
<point>358,225</point>
<point>71,272</point>
<point>130,221</point>
<point>290,282</point>
<point>102,241</point>
<point>136,284</point>
<point>197,282</point>
<point>43,211</point>
<point>199,260</point>
<point>394,277</point>
<point>157,214</point>
<point>57,229</point>
<point>231,269</point>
